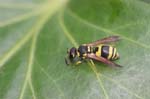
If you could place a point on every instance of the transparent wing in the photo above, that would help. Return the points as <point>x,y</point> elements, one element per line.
<point>104,41</point>
<point>103,60</point>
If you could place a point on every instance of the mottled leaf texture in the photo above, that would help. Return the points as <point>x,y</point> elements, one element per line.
<point>35,35</point>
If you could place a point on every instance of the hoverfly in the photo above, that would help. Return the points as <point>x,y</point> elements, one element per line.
<point>99,50</point>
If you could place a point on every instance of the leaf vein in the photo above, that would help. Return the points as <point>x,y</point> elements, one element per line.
<point>18,5</point>
<point>32,88</point>
<point>61,22</point>
<point>22,17</point>
<point>36,30</point>
<point>54,81</point>
<point>30,64</point>
<point>105,30</point>
<point>123,87</point>
<point>68,35</point>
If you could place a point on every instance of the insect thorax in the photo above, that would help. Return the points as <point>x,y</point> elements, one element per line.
<point>83,50</point>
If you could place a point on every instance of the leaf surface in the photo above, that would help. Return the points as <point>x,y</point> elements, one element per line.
<point>35,35</point>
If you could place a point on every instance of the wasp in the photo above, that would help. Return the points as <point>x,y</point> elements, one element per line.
<point>100,50</point>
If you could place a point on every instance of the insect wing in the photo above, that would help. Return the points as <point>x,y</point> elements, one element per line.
<point>104,60</point>
<point>104,41</point>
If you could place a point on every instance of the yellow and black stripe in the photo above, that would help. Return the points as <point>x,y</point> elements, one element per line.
<point>106,51</point>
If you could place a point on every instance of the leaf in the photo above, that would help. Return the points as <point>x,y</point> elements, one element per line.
<point>35,35</point>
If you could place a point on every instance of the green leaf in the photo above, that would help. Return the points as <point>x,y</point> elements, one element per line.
<point>35,35</point>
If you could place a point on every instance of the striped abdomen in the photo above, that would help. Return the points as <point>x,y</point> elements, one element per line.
<point>106,51</point>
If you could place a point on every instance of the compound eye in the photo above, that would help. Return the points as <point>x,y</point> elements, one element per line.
<point>72,55</point>
<point>72,52</point>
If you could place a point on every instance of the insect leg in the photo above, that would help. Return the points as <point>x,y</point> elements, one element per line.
<point>67,61</point>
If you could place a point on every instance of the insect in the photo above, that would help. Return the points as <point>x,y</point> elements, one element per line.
<point>99,50</point>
